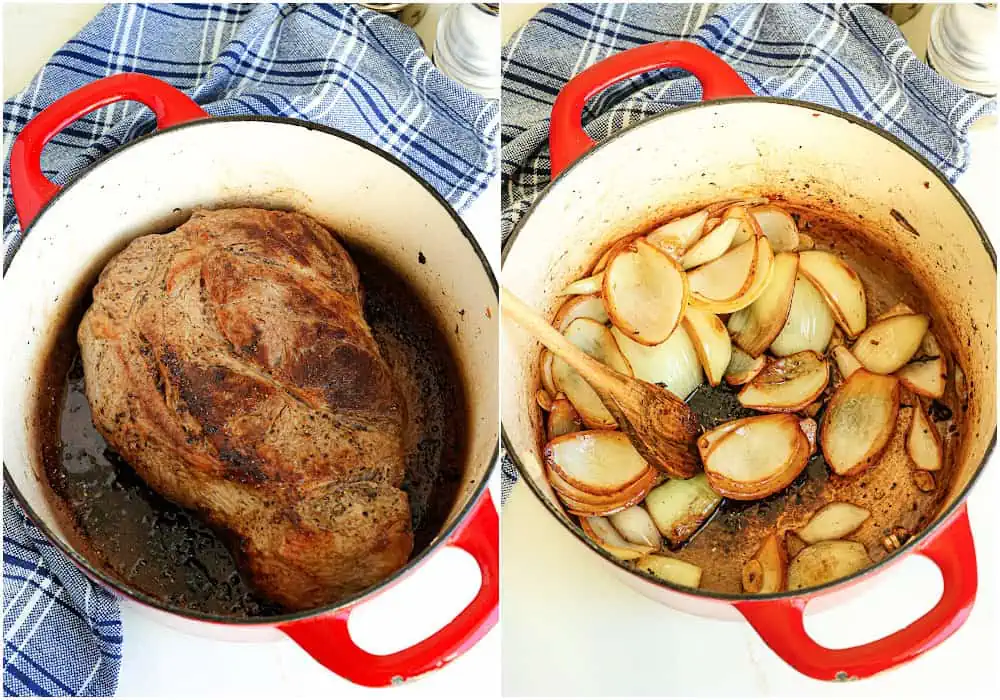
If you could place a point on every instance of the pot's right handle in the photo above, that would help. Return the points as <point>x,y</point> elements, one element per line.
<point>29,186</point>
<point>780,622</point>
<point>567,139</point>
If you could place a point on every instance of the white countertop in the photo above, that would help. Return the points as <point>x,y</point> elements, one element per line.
<point>158,661</point>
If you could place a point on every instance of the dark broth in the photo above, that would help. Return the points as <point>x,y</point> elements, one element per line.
<point>139,538</point>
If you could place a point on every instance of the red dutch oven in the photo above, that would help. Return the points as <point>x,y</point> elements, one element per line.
<point>736,145</point>
<point>151,185</point>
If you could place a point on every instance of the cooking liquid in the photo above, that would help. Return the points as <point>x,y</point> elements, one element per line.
<point>151,545</point>
<point>737,528</point>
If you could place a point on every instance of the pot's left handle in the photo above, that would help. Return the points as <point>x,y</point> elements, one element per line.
<point>567,139</point>
<point>328,640</point>
<point>29,186</point>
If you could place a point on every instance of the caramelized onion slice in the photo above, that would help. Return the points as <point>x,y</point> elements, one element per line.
<point>743,368</point>
<point>672,364</point>
<point>824,562</point>
<point>635,525</point>
<point>671,570</point>
<point>779,227</point>
<point>757,458</point>
<point>563,419</point>
<point>725,278</point>
<point>923,443</point>
<point>605,536</point>
<point>840,286</point>
<point>583,503</point>
<point>645,292</point>
<point>674,237</point>
<point>887,345</point>
<point>600,462</point>
<point>711,342</point>
<point>762,275</point>
<point>810,429</point>
<point>809,324</point>
<point>545,367</point>
<point>767,571</point>
<point>847,363</point>
<point>584,306</point>
<point>597,341</point>
<point>859,420</point>
<point>544,400</point>
<point>788,384</point>
<point>755,327</point>
<point>584,286</point>
<point>713,245</point>
<point>680,506</point>
<point>833,521</point>
<point>925,377</point>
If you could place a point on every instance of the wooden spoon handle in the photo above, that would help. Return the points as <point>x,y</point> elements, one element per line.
<point>526,317</point>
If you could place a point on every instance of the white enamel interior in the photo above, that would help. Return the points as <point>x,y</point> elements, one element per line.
<point>154,184</point>
<point>727,149</point>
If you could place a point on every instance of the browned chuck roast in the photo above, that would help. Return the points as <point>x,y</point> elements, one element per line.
<point>230,364</point>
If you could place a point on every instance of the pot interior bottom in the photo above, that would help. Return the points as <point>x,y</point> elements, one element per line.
<point>887,490</point>
<point>137,537</point>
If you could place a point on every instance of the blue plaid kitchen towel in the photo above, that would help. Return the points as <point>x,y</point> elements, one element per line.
<point>339,65</point>
<point>850,57</point>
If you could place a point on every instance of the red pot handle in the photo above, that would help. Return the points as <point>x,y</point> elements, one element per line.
<point>30,188</point>
<point>328,640</point>
<point>780,622</point>
<point>567,139</point>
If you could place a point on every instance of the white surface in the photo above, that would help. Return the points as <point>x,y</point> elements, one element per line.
<point>158,661</point>
<point>571,628</point>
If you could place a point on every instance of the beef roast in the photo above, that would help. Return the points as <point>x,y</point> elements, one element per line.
<point>229,362</point>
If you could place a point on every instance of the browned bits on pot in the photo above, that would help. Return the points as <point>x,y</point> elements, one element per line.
<point>896,539</point>
<point>923,480</point>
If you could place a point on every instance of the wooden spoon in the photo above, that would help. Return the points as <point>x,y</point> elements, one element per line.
<point>661,427</point>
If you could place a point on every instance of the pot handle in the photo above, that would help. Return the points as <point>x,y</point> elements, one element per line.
<point>567,139</point>
<point>328,640</point>
<point>29,186</point>
<point>780,622</point>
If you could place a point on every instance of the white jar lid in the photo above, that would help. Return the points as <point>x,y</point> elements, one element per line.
<point>964,45</point>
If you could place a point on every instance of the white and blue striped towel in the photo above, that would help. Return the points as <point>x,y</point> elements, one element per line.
<point>849,57</point>
<point>339,65</point>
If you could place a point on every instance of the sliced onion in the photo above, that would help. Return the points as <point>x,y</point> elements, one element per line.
<point>598,342</point>
<point>762,275</point>
<point>809,324</point>
<point>671,570</point>
<point>759,457</point>
<point>755,327</point>
<point>747,225</point>
<point>713,245</point>
<point>645,292</point>
<point>605,536</point>
<point>599,462</point>
<point>545,365</point>
<point>680,506</point>
<point>809,428</point>
<point>923,443</point>
<point>674,237</point>
<point>768,570</point>
<point>899,309</point>
<point>544,400</point>
<point>635,525</point>
<point>824,562</point>
<point>806,242</point>
<point>585,286</point>
<point>788,384</point>
<point>587,504</point>
<point>672,364</point>
<point>563,419</point>
<point>840,286</point>
<point>711,342</point>
<point>725,278</point>
<point>779,227</point>
<point>847,363</point>
<point>860,418</point>
<point>585,306</point>
<point>887,345</point>
<point>925,377</point>
<point>833,521</point>
<point>743,368</point>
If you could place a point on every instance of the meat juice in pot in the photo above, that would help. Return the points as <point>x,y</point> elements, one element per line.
<point>139,538</point>
<point>898,508</point>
